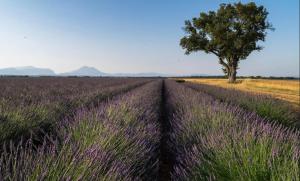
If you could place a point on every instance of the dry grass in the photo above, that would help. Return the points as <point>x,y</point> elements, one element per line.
<point>287,90</point>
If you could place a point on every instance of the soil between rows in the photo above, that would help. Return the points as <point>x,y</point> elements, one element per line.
<point>166,160</point>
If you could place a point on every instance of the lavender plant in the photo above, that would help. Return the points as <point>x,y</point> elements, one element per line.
<point>145,128</point>
<point>218,141</point>
<point>116,140</point>
<point>271,108</point>
<point>37,104</point>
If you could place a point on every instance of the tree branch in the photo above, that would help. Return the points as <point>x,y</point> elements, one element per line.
<point>221,61</point>
<point>215,52</point>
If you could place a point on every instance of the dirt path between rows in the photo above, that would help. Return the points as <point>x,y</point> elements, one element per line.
<point>166,156</point>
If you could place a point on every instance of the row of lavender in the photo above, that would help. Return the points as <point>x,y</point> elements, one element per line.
<point>217,141</point>
<point>33,104</point>
<point>116,140</point>
<point>274,110</point>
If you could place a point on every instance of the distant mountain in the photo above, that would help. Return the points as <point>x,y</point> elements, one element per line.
<point>85,71</point>
<point>29,70</point>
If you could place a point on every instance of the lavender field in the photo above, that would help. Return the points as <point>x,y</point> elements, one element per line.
<point>142,129</point>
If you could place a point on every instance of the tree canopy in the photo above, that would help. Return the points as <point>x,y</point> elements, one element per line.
<point>231,33</point>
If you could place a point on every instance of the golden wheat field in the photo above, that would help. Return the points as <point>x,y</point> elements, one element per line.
<point>287,90</point>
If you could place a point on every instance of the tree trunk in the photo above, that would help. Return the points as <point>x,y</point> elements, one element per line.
<point>229,68</point>
<point>232,74</point>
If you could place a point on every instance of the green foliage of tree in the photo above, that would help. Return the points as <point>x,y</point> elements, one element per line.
<point>231,33</point>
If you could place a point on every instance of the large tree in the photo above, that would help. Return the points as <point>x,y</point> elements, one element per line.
<point>231,33</point>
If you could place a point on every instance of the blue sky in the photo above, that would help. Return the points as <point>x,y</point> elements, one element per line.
<point>133,36</point>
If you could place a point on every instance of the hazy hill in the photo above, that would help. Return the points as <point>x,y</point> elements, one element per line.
<point>29,70</point>
<point>85,71</point>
